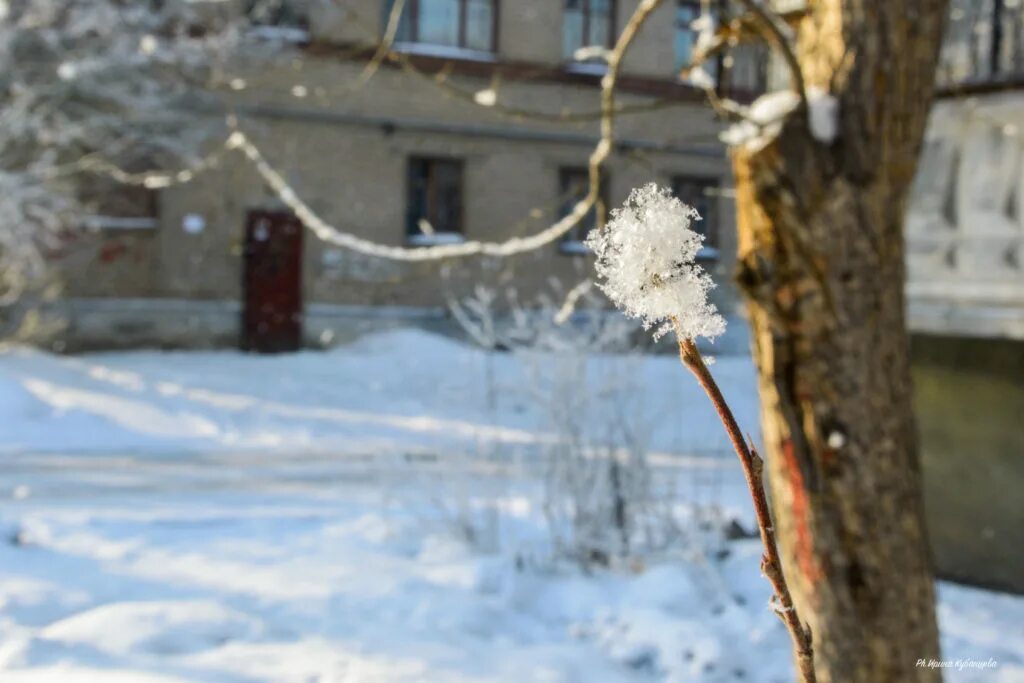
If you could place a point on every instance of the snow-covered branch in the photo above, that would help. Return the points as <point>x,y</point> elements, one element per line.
<point>646,258</point>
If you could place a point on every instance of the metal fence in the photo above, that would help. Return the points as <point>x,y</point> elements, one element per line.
<point>984,44</point>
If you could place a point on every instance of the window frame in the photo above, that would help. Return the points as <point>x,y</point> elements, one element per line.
<point>413,234</point>
<point>722,66</point>
<point>411,14</point>
<point>146,219</point>
<point>711,224</point>
<point>570,244</point>
<point>613,11</point>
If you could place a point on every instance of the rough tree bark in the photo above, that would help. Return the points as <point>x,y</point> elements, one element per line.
<point>822,265</point>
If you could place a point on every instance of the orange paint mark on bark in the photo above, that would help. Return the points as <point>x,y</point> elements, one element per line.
<point>809,567</point>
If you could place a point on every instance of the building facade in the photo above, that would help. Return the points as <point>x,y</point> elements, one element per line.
<point>965,291</point>
<point>481,129</point>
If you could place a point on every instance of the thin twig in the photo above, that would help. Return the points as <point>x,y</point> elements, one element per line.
<point>774,35</point>
<point>387,40</point>
<point>753,470</point>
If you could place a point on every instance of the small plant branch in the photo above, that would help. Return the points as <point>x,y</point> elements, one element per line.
<point>753,470</point>
<point>646,257</point>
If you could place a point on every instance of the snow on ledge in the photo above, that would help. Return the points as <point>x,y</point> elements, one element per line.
<point>589,68</point>
<point>443,51</point>
<point>437,238</point>
<point>574,247</point>
<point>97,222</point>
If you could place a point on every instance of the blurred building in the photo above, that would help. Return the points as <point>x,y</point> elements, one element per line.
<point>965,243</point>
<point>480,131</point>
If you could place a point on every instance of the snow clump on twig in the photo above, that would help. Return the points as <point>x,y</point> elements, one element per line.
<point>646,257</point>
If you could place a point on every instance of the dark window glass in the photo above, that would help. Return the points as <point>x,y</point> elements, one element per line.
<point>434,196</point>
<point>587,23</point>
<point>573,185</point>
<point>480,25</point>
<point>439,22</point>
<point>741,70</point>
<point>686,13</point>
<point>276,13</point>
<point>599,29</point>
<point>450,23</point>
<point>701,194</point>
<point>748,70</point>
<point>111,204</point>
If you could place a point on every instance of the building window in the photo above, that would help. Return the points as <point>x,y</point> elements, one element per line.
<point>573,185</point>
<point>466,24</point>
<point>701,194</point>
<point>587,23</point>
<point>111,205</point>
<point>434,208</point>
<point>688,12</point>
<point>277,13</point>
<point>747,75</point>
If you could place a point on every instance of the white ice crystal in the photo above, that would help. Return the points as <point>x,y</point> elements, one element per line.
<point>646,258</point>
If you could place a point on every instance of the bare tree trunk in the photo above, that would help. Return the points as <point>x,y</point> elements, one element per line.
<point>822,264</point>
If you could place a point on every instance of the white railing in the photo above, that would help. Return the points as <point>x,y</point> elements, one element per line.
<point>965,227</point>
<point>984,44</point>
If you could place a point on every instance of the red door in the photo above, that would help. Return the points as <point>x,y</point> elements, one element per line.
<point>272,282</point>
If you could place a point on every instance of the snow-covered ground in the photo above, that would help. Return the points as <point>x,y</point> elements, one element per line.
<point>377,513</point>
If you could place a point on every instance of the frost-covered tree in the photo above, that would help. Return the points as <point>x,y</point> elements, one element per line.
<point>86,84</point>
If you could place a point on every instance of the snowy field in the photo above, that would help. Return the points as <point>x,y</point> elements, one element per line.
<point>382,512</point>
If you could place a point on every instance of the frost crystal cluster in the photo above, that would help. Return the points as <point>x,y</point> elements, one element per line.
<point>645,257</point>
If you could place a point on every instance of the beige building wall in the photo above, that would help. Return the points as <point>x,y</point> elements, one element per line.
<point>345,147</point>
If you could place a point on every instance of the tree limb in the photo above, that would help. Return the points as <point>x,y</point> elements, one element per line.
<point>753,466</point>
